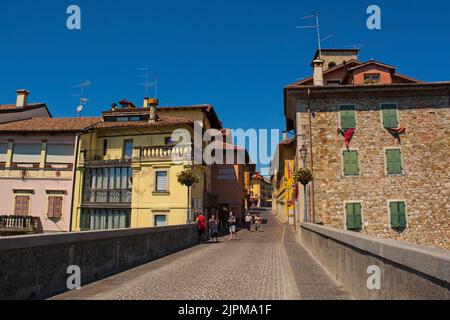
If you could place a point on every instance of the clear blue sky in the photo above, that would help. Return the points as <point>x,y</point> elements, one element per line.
<point>236,55</point>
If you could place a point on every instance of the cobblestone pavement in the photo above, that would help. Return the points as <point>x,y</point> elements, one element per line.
<point>256,266</point>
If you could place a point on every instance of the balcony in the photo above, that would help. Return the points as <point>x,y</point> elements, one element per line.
<point>107,198</point>
<point>18,225</point>
<point>155,153</point>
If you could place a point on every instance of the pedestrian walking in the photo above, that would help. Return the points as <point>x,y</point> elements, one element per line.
<point>201,226</point>
<point>232,225</point>
<point>258,222</point>
<point>249,221</point>
<point>213,225</point>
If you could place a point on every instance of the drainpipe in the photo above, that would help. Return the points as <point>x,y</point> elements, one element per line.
<point>74,170</point>
<point>313,207</point>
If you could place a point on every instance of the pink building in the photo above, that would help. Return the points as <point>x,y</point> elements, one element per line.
<point>37,159</point>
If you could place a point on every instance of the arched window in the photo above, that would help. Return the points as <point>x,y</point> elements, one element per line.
<point>331,65</point>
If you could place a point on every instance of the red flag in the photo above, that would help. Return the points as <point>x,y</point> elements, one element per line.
<point>348,134</point>
<point>296,192</point>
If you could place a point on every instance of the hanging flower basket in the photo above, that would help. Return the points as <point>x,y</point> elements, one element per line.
<point>188,178</point>
<point>304,176</point>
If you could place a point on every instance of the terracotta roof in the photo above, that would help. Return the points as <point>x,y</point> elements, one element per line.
<point>161,122</point>
<point>209,109</point>
<point>378,63</point>
<point>49,125</point>
<point>13,108</point>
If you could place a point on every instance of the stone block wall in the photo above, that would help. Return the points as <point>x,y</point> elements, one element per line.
<point>424,186</point>
<point>34,267</point>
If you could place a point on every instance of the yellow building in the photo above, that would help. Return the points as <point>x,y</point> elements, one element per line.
<point>126,176</point>
<point>260,192</point>
<point>283,169</point>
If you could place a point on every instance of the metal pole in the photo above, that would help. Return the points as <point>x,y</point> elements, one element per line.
<point>305,218</point>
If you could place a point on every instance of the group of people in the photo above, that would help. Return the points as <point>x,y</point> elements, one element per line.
<point>257,221</point>
<point>212,225</point>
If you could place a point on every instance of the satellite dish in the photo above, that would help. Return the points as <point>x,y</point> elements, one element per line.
<point>80,108</point>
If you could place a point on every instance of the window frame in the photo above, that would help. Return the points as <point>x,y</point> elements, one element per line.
<point>124,148</point>
<point>155,187</point>
<point>382,117</point>
<point>22,194</point>
<point>371,75</point>
<point>160,214</point>
<point>343,163</point>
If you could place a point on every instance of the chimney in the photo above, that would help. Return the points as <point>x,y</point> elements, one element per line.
<point>318,72</point>
<point>153,114</point>
<point>146,102</point>
<point>22,98</point>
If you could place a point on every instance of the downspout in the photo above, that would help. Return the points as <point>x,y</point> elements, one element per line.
<point>313,207</point>
<point>74,170</point>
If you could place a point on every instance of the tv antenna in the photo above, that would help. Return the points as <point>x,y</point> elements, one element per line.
<point>83,100</point>
<point>147,84</point>
<point>317,27</point>
<point>356,46</point>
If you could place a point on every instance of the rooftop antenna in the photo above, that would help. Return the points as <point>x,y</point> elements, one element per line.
<point>317,27</point>
<point>147,84</point>
<point>356,46</point>
<point>83,100</point>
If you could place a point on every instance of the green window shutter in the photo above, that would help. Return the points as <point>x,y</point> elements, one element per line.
<point>358,216</point>
<point>398,215</point>
<point>351,167</point>
<point>389,112</point>
<point>402,215</point>
<point>354,217</point>
<point>350,216</point>
<point>348,119</point>
<point>394,161</point>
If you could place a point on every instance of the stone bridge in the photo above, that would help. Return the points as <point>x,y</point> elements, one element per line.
<point>169,263</point>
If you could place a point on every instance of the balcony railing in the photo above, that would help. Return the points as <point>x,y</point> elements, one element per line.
<point>98,158</point>
<point>165,152</point>
<point>16,225</point>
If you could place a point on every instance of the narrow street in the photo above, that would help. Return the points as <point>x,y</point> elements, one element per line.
<point>266,265</point>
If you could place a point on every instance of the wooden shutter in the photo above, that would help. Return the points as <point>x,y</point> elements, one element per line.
<point>350,216</point>
<point>351,166</point>
<point>398,215</point>
<point>22,204</point>
<point>394,161</point>
<point>354,216</point>
<point>55,207</point>
<point>348,119</point>
<point>389,112</point>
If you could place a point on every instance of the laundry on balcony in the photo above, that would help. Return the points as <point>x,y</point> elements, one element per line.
<point>348,135</point>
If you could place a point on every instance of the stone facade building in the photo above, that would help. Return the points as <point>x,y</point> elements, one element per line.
<point>379,148</point>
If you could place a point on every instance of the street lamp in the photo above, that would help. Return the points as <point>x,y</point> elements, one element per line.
<point>304,154</point>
